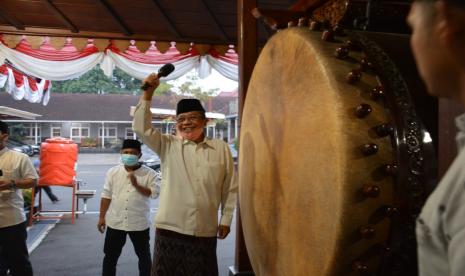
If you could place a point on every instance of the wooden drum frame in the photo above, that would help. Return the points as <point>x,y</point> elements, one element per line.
<point>334,161</point>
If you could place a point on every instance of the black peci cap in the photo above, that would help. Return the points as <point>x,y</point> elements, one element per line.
<point>187,105</point>
<point>131,144</point>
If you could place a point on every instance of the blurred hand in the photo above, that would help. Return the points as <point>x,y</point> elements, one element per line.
<point>223,231</point>
<point>132,178</point>
<point>5,184</point>
<point>152,81</point>
<point>101,225</point>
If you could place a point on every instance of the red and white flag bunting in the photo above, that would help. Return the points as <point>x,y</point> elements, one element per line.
<point>48,63</point>
<point>21,87</point>
<point>140,65</point>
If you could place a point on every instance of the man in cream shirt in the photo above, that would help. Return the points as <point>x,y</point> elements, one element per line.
<point>17,173</point>
<point>198,178</point>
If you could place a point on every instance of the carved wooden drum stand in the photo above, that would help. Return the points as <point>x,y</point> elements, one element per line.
<point>334,161</point>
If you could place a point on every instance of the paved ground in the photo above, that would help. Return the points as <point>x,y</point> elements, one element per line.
<point>60,248</point>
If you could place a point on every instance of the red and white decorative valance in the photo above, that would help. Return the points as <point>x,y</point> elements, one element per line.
<point>21,87</point>
<point>140,65</point>
<point>68,63</point>
<point>226,65</point>
<point>48,63</point>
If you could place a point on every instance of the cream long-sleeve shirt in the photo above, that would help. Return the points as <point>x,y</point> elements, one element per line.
<point>16,166</point>
<point>441,224</point>
<point>197,179</point>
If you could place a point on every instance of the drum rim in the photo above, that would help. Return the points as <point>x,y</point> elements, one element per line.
<point>413,179</point>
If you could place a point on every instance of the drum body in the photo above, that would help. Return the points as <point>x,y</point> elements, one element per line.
<point>317,166</point>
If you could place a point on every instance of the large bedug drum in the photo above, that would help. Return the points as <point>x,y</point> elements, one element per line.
<point>334,161</point>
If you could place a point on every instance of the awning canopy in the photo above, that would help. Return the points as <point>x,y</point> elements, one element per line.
<point>12,113</point>
<point>199,21</point>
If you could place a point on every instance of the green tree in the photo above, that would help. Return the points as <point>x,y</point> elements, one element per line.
<point>189,88</point>
<point>96,82</point>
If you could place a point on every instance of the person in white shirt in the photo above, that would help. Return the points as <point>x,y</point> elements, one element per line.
<point>17,172</point>
<point>198,179</point>
<point>438,43</point>
<point>125,209</point>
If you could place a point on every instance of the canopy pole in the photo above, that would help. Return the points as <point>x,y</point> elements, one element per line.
<point>35,134</point>
<point>248,54</point>
<point>103,135</point>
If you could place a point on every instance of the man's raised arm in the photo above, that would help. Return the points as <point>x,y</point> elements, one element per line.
<point>142,122</point>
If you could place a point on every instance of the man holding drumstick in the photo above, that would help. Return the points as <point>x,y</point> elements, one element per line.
<point>198,178</point>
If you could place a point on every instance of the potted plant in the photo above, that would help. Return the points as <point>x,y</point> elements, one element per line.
<point>88,142</point>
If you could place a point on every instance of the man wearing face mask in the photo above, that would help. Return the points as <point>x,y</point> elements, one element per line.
<point>17,172</point>
<point>198,179</point>
<point>125,209</point>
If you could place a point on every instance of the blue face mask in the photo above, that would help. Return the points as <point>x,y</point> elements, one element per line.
<point>129,159</point>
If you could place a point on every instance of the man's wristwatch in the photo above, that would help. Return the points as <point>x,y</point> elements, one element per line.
<point>13,184</point>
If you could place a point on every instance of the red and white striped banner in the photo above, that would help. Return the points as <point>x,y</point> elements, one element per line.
<point>21,87</point>
<point>49,63</point>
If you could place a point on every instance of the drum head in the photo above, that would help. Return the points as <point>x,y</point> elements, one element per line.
<point>309,188</point>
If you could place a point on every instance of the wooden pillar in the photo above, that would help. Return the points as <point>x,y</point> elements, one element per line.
<point>248,54</point>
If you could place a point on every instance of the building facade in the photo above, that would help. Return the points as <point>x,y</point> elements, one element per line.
<point>101,121</point>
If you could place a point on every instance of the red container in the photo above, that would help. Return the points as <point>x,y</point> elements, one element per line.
<point>58,157</point>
